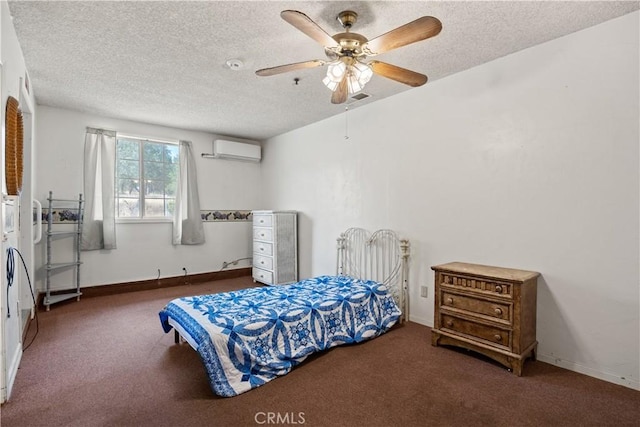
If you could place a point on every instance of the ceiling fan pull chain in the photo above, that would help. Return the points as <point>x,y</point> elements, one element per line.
<point>346,122</point>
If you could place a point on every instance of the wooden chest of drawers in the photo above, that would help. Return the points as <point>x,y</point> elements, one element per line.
<point>275,247</point>
<point>489,310</point>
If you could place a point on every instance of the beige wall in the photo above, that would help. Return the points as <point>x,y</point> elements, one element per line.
<point>530,161</point>
<point>145,248</point>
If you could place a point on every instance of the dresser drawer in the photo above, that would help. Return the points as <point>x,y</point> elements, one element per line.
<point>262,220</point>
<point>489,334</point>
<point>477,285</point>
<point>263,248</point>
<point>263,234</point>
<point>263,262</point>
<point>262,276</point>
<point>491,309</point>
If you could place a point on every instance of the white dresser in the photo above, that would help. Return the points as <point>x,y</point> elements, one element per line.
<point>275,247</point>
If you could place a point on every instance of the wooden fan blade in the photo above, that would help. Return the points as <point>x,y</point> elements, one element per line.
<point>289,67</point>
<point>303,23</point>
<point>340,94</point>
<point>398,74</point>
<point>420,29</point>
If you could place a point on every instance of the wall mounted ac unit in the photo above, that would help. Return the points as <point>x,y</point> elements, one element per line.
<point>233,150</point>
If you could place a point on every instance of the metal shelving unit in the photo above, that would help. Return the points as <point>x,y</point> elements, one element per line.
<point>52,235</point>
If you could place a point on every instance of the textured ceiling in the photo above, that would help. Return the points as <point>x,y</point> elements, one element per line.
<point>164,62</point>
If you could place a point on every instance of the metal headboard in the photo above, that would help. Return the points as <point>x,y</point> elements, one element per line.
<point>381,256</point>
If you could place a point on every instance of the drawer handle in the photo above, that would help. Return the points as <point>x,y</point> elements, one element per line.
<point>499,289</point>
<point>449,323</point>
<point>450,300</point>
<point>262,249</point>
<point>262,221</point>
<point>497,337</point>
<point>262,235</point>
<point>262,262</point>
<point>498,311</point>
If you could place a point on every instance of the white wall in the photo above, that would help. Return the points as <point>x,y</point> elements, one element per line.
<point>13,70</point>
<point>143,248</point>
<point>528,162</point>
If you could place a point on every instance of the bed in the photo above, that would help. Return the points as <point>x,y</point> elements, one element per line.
<point>249,337</point>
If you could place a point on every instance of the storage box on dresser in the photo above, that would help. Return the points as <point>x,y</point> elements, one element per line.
<point>490,310</point>
<point>275,247</point>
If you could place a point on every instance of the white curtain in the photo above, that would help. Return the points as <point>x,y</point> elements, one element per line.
<point>99,222</point>
<point>187,222</point>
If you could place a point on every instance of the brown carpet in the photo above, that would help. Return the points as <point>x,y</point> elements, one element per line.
<point>105,361</point>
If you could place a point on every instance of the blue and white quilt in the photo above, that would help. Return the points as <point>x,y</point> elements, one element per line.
<point>248,337</point>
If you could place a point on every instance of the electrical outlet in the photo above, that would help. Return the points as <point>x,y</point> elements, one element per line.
<point>424,291</point>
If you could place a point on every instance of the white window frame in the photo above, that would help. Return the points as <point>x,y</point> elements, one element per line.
<point>141,218</point>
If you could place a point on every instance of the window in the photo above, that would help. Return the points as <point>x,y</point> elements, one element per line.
<point>146,176</point>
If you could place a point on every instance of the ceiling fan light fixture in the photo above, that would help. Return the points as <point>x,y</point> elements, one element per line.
<point>330,84</point>
<point>336,70</point>
<point>347,74</point>
<point>358,74</point>
<point>353,85</point>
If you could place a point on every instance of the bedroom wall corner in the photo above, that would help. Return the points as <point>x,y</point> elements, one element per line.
<point>530,161</point>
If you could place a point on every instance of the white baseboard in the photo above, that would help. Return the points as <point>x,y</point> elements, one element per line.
<point>12,371</point>
<point>421,320</point>
<point>633,383</point>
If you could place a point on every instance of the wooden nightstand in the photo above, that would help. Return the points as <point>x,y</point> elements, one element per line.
<point>489,310</point>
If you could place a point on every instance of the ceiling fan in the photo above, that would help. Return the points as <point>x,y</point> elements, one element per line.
<point>347,71</point>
